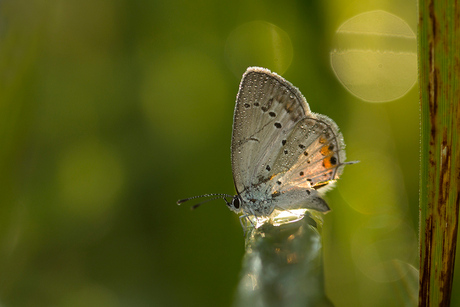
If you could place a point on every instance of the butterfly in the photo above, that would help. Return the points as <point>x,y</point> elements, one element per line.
<point>284,156</point>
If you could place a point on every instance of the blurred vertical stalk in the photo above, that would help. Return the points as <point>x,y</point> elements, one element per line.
<point>439,75</point>
<point>283,265</point>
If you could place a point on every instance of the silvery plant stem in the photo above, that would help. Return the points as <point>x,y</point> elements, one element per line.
<point>283,265</point>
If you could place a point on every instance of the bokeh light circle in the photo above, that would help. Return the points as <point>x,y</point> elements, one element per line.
<point>374,56</point>
<point>385,193</point>
<point>258,43</point>
<point>184,96</point>
<point>90,178</point>
<point>382,253</point>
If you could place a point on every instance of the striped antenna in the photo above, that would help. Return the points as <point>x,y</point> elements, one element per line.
<point>214,197</point>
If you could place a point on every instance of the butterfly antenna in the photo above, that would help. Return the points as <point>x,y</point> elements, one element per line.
<point>208,200</point>
<point>350,162</point>
<point>214,197</point>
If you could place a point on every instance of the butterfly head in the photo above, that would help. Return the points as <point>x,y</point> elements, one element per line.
<point>236,204</point>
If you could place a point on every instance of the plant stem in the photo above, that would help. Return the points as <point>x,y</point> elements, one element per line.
<point>283,265</point>
<point>439,78</point>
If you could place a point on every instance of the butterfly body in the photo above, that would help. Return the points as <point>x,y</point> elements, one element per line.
<point>262,199</point>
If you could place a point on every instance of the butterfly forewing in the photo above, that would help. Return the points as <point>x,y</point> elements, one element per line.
<point>267,110</point>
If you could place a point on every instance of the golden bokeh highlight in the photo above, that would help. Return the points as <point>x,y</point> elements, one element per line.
<point>374,56</point>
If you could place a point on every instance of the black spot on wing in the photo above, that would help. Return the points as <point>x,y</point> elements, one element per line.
<point>267,105</point>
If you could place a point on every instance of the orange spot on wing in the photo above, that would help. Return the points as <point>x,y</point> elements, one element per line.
<point>325,151</point>
<point>327,162</point>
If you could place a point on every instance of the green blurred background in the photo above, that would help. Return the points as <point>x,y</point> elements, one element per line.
<point>111,110</point>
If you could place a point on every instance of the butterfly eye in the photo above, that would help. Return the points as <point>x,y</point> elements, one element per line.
<point>236,202</point>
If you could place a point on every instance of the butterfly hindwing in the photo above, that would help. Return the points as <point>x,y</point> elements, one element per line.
<point>313,153</point>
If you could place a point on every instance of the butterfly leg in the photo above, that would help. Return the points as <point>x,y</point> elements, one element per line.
<point>241,222</point>
<point>254,214</point>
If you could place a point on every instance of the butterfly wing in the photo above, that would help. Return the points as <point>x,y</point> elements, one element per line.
<point>267,109</point>
<point>313,154</point>
<point>278,142</point>
<point>312,160</point>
